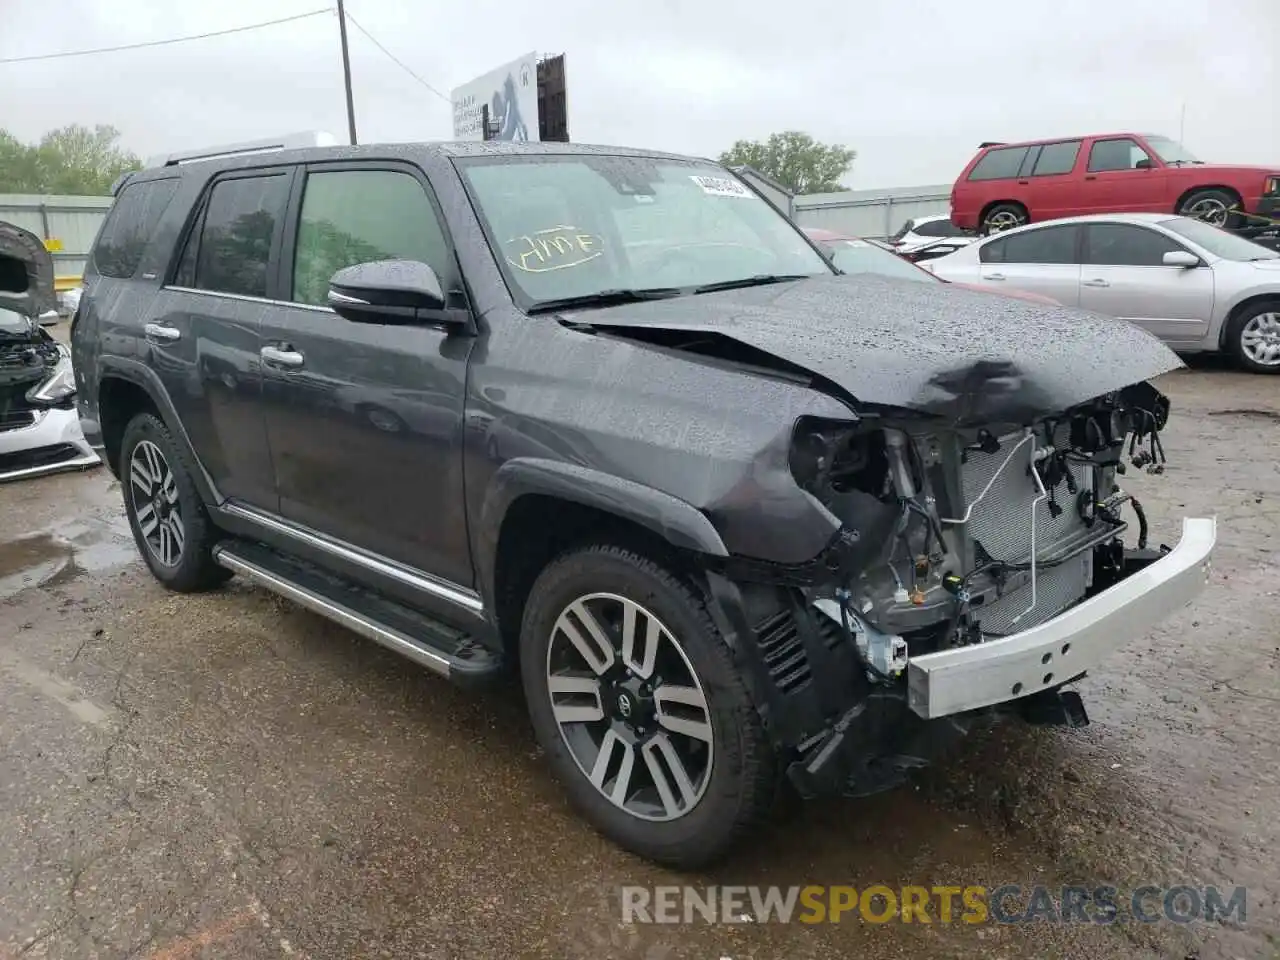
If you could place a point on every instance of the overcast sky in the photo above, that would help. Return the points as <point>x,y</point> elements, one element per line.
<point>912,85</point>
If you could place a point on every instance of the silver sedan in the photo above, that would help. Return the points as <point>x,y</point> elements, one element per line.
<point>1195,286</point>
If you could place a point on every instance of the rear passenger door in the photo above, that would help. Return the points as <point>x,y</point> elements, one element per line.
<point>1052,183</point>
<point>204,328</point>
<point>364,419</point>
<point>1040,260</point>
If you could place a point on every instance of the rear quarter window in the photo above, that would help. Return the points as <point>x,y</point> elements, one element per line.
<point>129,225</point>
<point>1000,163</point>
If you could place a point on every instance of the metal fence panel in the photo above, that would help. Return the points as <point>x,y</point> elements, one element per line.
<point>871,213</point>
<point>68,225</point>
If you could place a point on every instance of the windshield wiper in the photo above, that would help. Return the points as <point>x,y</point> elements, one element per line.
<point>605,298</point>
<point>759,280</point>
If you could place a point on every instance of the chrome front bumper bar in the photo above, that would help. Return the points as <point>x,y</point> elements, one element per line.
<point>52,427</point>
<point>966,678</point>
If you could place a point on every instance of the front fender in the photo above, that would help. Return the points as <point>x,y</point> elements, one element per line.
<point>677,522</point>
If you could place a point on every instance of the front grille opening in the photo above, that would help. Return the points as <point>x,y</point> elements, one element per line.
<point>16,419</point>
<point>37,457</point>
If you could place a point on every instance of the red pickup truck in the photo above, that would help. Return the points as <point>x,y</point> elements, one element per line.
<point>1008,184</point>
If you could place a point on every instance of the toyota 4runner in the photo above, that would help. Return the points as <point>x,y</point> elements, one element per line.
<point>609,418</point>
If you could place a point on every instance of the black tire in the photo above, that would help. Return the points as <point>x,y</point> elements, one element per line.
<point>1245,320</point>
<point>1211,206</point>
<point>1001,216</point>
<point>194,569</point>
<point>742,782</point>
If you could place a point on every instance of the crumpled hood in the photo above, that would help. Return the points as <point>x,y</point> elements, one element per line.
<point>38,296</point>
<point>932,348</point>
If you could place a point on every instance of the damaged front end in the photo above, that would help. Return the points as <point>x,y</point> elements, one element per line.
<point>975,572</point>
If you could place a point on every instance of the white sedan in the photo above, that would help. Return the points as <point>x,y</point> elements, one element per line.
<point>1195,286</point>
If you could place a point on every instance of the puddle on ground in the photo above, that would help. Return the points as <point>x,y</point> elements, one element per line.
<point>63,553</point>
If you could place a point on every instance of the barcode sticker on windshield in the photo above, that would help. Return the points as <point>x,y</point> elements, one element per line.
<point>722,187</point>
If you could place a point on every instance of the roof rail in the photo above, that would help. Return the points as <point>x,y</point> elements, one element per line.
<point>991,143</point>
<point>292,141</point>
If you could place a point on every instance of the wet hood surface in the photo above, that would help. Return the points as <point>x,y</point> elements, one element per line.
<point>25,247</point>
<point>936,349</point>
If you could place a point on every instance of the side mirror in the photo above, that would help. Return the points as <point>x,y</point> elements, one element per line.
<point>1180,258</point>
<point>388,291</point>
<point>1144,164</point>
<point>49,318</point>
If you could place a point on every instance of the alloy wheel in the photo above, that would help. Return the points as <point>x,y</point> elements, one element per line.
<point>1260,339</point>
<point>1004,220</point>
<point>154,493</point>
<point>630,707</point>
<point>1210,209</point>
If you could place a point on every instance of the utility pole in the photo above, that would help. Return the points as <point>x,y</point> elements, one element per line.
<point>346,72</point>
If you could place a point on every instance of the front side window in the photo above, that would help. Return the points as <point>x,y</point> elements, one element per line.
<point>359,216</point>
<point>129,225</point>
<point>1046,245</point>
<point>231,250</point>
<point>1118,154</point>
<point>999,164</point>
<point>576,226</point>
<point>1217,241</point>
<point>1119,244</point>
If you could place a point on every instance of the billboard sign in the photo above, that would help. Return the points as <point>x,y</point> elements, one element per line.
<point>511,92</point>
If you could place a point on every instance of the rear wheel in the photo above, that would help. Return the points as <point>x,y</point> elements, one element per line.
<point>167,516</point>
<point>1004,216</point>
<point>1254,337</point>
<point>1211,206</point>
<point>635,698</point>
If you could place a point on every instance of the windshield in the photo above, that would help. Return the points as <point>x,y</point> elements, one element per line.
<point>1170,151</point>
<point>1217,241</point>
<point>858,256</point>
<point>576,226</point>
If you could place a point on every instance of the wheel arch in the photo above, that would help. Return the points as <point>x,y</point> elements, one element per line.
<point>127,388</point>
<point>1191,191</point>
<point>535,509</point>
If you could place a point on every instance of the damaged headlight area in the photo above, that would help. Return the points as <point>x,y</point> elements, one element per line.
<point>58,388</point>
<point>950,538</point>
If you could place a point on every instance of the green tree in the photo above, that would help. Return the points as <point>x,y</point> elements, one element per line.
<point>795,160</point>
<point>73,160</point>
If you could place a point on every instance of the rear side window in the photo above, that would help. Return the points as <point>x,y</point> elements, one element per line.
<point>359,216</point>
<point>230,249</point>
<point>129,225</point>
<point>999,164</point>
<point>939,228</point>
<point>1046,245</point>
<point>1119,244</point>
<point>1057,158</point>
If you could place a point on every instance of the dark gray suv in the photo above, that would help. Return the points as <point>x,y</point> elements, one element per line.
<point>609,418</point>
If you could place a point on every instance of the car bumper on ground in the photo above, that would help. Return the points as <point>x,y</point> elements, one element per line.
<point>53,442</point>
<point>968,678</point>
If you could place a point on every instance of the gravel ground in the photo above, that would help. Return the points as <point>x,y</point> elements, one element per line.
<point>230,776</point>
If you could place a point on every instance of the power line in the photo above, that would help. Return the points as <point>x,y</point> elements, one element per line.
<point>161,43</point>
<point>398,62</point>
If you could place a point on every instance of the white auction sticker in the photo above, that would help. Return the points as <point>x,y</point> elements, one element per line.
<point>722,187</point>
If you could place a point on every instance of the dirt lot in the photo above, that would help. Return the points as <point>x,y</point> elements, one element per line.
<point>230,776</point>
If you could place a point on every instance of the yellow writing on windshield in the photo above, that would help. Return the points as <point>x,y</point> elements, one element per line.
<point>556,248</point>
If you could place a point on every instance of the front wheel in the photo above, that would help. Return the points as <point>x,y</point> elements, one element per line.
<point>167,516</point>
<point>1212,206</point>
<point>635,698</point>
<point>1254,338</point>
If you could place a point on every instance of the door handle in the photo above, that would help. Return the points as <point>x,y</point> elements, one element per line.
<point>1024,183</point>
<point>158,333</point>
<point>1094,283</point>
<point>274,356</point>
<point>1090,176</point>
<point>993,276</point>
